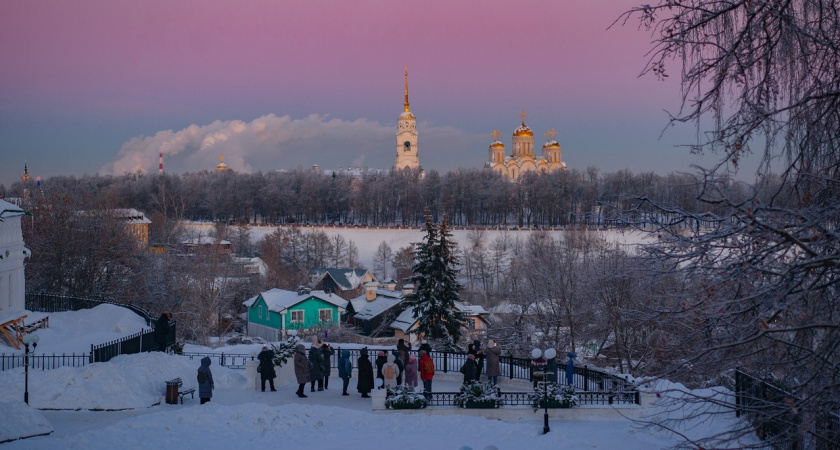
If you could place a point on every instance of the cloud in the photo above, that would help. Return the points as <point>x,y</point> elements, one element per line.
<point>270,142</point>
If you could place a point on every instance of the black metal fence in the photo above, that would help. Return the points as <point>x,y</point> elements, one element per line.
<point>524,398</point>
<point>44,361</point>
<point>143,341</point>
<point>43,302</point>
<point>778,420</point>
<point>585,379</point>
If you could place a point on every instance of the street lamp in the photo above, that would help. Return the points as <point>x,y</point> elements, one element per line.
<point>536,353</point>
<point>28,339</point>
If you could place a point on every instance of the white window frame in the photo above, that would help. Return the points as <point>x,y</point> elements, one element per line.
<point>295,312</point>
<point>320,313</point>
<point>260,311</point>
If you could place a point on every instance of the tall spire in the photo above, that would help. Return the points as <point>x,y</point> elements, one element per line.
<point>25,176</point>
<point>405,105</point>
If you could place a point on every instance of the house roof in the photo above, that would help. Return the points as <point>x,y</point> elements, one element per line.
<point>405,320</point>
<point>278,300</point>
<point>385,300</point>
<point>131,216</point>
<point>346,279</point>
<point>205,240</point>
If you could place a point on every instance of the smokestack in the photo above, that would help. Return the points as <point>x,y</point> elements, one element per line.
<point>160,166</point>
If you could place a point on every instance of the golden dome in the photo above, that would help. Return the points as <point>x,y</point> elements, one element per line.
<point>523,131</point>
<point>406,115</point>
<point>497,144</point>
<point>552,144</point>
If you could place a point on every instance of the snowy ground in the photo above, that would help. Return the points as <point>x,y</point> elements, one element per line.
<point>367,240</point>
<point>237,417</point>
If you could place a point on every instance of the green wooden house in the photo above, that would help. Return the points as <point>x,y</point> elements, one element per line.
<point>272,313</point>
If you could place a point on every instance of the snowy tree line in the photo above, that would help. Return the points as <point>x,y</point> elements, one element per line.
<point>472,197</point>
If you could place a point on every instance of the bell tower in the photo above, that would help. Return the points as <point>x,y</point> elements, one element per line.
<point>407,136</point>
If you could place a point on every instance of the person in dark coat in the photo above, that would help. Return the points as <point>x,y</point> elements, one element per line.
<point>468,369</point>
<point>345,370</point>
<point>381,359</point>
<point>404,350</point>
<point>266,367</point>
<point>301,369</point>
<point>479,359</point>
<point>492,353</point>
<point>400,365</point>
<point>326,353</point>
<point>424,345</point>
<point>316,370</point>
<point>551,365</point>
<point>205,389</point>
<point>162,331</point>
<point>365,383</point>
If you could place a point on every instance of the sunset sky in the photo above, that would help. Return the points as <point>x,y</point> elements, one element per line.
<point>103,86</point>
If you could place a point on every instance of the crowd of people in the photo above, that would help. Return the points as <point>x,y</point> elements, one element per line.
<point>393,367</point>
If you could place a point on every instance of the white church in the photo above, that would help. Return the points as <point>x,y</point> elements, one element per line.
<point>12,254</point>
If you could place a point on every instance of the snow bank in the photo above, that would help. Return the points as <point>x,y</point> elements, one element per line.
<point>74,331</point>
<point>18,421</point>
<point>125,382</point>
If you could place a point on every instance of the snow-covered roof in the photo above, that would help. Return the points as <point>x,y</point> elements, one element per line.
<point>204,240</point>
<point>131,216</point>
<point>279,299</point>
<point>9,210</point>
<point>346,279</point>
<point>366,310</point>
<point>406,320</point>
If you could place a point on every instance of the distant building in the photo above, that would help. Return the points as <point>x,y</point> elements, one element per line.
<point>523,158</point>
<point>346,283</point>
<point>205,244</point>
<point>407,151</point>
<point>405,325</point>
<point>274,312</point>
<point>221,167</point>
<point>12,254</point>
<point>136,223</point>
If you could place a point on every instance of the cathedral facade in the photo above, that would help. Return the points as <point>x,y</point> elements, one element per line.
<point>523,158</point>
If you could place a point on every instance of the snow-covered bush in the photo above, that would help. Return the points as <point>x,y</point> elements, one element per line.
<point>479,394</point>
<point>558,397</point>
<point>284,351</point>
<point>404,397</point>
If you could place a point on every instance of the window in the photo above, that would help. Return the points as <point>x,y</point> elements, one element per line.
<point>260,309</point>
<point>325,315</point>
<point>297,316</point>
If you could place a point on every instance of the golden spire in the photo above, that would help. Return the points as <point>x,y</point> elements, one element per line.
<point>222,158</point>
<point>405,105</point>
<point>523,117</point>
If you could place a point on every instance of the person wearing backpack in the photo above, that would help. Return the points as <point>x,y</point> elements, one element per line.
<point>390,371</point>
<point>427,372</point>
<point>205,381</point>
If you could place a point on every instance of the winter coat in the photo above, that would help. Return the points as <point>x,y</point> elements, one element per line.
<point>266,365</point>
<point>380,361</point>
<point>411,371</point>
<point>492,354</point>
<point>551,369</point>
<point>365,383</point>
<point>316,371</point>
<point>162,330</point>
<point>345,367</point>
<point>403,349</point>
<point>427,368</point>
<point>400,363</point>
<point>391,381</point>
<point>326,365</point>
<point>469,370</point>
<point>301,366</point>
<point>205,390</point>
<point>479,355</point>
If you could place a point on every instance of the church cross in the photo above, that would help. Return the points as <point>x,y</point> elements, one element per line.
<point>523,117</point>
<point>495,134</point>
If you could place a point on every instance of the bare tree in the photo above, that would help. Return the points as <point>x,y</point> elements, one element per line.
<point>756,287</point>
<point>383,259</point>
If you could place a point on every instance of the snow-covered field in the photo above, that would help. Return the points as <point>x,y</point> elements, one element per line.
<point>62,399</point>
<point>368,239</point>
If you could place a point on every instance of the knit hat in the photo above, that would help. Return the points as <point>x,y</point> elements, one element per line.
<point>491,343</point>
<point>265,346</point>
<point>380,353</point>
<point>471,356</point>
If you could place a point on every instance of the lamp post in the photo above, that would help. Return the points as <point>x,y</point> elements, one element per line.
<point>28,339</point>
<point>536,353</point>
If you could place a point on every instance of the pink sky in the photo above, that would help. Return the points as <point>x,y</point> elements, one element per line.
<point>80,79</point>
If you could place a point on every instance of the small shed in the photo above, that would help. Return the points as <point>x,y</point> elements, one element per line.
<point>272,313</point>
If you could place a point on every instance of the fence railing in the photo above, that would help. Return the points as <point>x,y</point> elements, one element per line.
<point>44,361</point>
<point>584,379</point>
<point>777,419</point>
<point>142,341</point>
<point>44,302</point>
<point>524,398</point>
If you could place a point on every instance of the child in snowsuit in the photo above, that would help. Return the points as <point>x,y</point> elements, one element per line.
<point>411,371</point>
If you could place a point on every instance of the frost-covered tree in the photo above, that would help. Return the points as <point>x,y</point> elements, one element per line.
<point>757,285</point>
<point>436,285</point>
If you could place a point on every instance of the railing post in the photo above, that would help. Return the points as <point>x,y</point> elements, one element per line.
<point>510,365</point>
<point>585,378</point>
<point>445,361</point>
